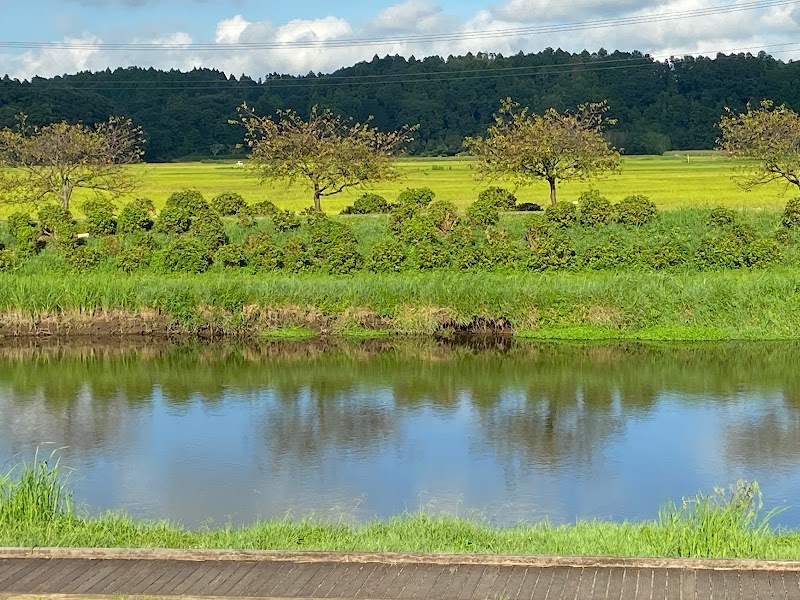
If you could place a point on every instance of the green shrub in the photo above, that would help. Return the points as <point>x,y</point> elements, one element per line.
<point>246,218</point>
<point>443,216</point>
<point>784,236</point>
<point>342,258</point>
<point>230,255</point>
<point>594,209</point>
<point>134,258</point>
<point>81,257</point>
<point>265,208</point>
<point>723,251</point>
<point>367,204</point>
<point>387,257</point>
<point>208,228</point>
<point>58,221</point>
<point>562,214</point>
<point>266,255</point>
<point>634,211</point>
<point>607,254</point>
<point>416,196</point>
<point>180,210</point>
<point>669,254</point>
<point>145,239</point>
<point>791,213</point>
<point>110,245</point>
<point>529,207</point>
<point>252,240</point>
<point>483,213</point>
<point>762,253</point>
<point>25,232</point>
<point>285,220</point>
<point>539,228</point>
<point>549,254</point>
<point>499,250</point>
<point>721,216</point>
<point>100,219</point>
<point>8,260</point>
<point>136,215</point>
<point>296,258</point>
<point>430,254</point>
<point>228,204</point>
<point>499,197</point>
<point>185,255</point>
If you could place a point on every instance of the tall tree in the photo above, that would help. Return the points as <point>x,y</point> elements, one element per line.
<point>770,137</point>
<point>555,146</point>
<point>327,152</point>
<point>55,160</point>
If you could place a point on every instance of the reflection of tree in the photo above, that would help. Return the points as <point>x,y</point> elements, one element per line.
<point>550,431</point>
<point>303,428</point>
<point>765,438</point>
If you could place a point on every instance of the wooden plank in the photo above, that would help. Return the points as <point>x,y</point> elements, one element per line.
<point>778,586</point>
<point>153,571</point>
<point>135,571</point>
<point>465,583</point>
<point>747,584</point>
<point>601,582</point>
<point>263,587</point>
<point>515,582</point>
<point>674,577</point>
<point>258,572</point>
<point>500,583</point>
<point>762,585</point>
<point>324,588</point>
<point>419,586</point>
<point>557,584</point>
<point>290,586</point>
<point>97,575</point>
<point>572,583</point>
<point>351,589</point>
<point>729,585</point>
<point>53,581</point>
<point>23,568</point>
<point>542,585</point>
<point>688,584</point>
<point>352,571</point>
<point>167,581</point>
<point>616,584</point>
<point>485,584</point>
<point>187,570</point>
<point>379,587</point>
<point>406,578</point>
<point>659,585</point>
<point>586,585</point>
<point>51,570</point>
<point>702,585</point>
<point>792,580</point>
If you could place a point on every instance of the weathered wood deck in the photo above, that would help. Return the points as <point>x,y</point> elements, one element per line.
<point>378,577</point>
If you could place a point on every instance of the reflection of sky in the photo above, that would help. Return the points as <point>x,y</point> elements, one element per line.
<point>250,455</point>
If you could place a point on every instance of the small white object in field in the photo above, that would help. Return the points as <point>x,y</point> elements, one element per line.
<point>575,202</point>
<point>83,236</point>
<point>239,163</point>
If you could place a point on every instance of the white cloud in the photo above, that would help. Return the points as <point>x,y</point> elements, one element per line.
<point>717,31</point>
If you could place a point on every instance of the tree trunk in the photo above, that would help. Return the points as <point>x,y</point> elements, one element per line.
<point>66,193</point>
<point>552,182</point>
<point>317,197</point>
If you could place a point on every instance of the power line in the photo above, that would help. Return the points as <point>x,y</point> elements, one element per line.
<point>413,78</point>
<point>411,39</point>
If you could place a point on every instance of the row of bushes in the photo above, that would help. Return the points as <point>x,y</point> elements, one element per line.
<point>188,235</point>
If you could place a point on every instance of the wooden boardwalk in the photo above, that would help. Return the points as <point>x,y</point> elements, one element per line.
<point>377,577</point>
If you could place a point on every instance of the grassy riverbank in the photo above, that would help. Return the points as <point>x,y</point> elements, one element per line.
<point>713,305</point>
<point>36,510</point>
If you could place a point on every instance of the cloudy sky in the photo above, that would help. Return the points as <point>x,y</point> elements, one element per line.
<point>256,37</point>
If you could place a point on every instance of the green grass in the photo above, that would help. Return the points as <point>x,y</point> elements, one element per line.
<point>35,511</point>
<point>670,181</point>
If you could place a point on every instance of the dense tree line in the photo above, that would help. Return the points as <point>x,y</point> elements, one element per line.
<point>658,105</point>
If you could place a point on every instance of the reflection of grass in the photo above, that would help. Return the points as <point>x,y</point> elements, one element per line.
<point>670,181</point>
<point>288,333</point>
<point>718,525</point>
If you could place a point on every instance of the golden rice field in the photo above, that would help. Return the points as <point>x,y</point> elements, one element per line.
<point>670,181</point>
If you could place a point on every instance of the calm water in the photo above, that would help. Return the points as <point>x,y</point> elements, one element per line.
<point>518,432</point>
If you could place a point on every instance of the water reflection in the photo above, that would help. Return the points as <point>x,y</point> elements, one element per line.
<point>518,430</point>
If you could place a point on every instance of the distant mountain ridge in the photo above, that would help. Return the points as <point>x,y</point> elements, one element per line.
<point>659,105</point>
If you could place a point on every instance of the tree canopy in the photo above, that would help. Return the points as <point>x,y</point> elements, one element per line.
<point>326,151</point>
<point>554,146</point>
<point>56,159</point>
<point>659,105</point>
<point>770,137</point>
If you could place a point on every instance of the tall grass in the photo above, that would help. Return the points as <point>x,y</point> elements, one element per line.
<point>36,510</point>
<point>34,494</point>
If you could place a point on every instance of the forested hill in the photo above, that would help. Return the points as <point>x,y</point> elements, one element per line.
<point>659,105</point>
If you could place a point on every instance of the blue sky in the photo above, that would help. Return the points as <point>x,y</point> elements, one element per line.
<point>85,29</point>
